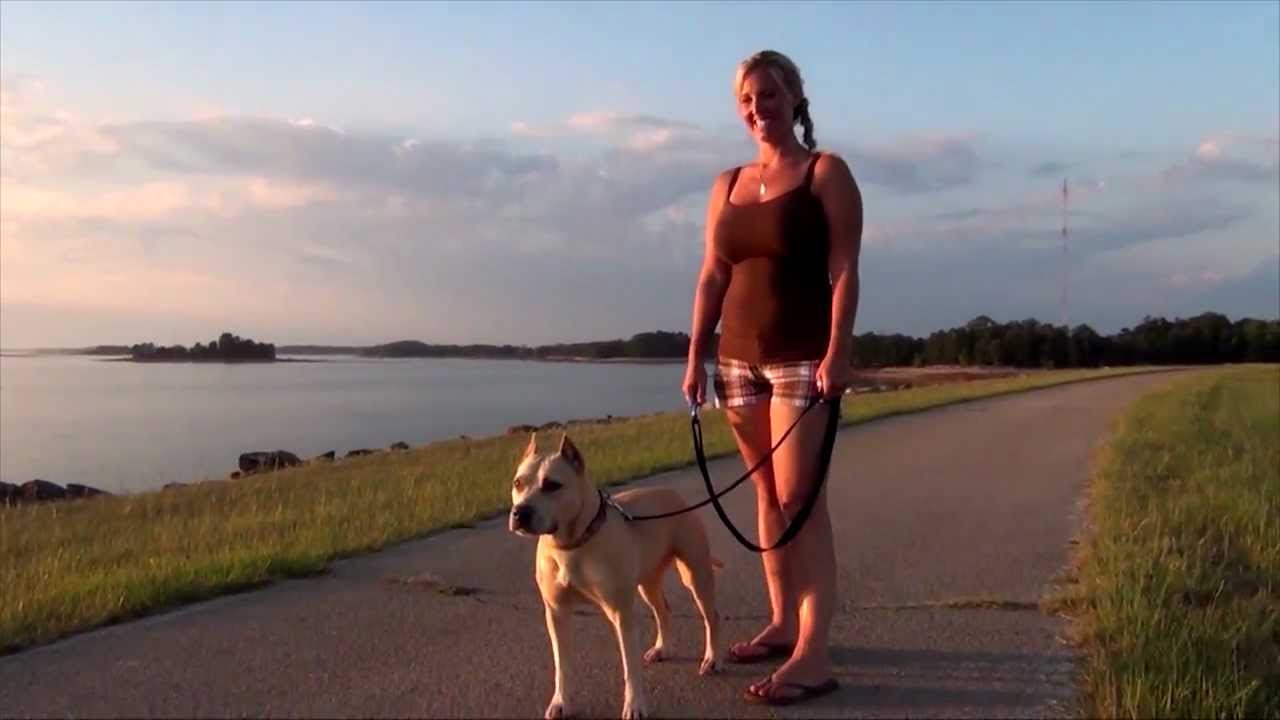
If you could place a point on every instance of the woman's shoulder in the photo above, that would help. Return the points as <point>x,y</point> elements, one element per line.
<point>726,175</point>
<point>832,170</point>
<point>724,180</point>
<point>830,163</point>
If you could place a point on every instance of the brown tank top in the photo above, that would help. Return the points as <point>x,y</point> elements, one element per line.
<point>778,304</point>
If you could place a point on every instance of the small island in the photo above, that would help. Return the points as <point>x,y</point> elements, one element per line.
<point>227,348</point>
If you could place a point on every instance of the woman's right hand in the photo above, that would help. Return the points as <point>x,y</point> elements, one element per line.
<point>695,384</point>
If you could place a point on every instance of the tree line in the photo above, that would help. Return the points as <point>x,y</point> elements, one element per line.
<point>1207,338</point>
<point>227,347</point>
<point>659,344</point>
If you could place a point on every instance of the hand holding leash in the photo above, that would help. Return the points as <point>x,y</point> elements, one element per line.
<point>695,384</point>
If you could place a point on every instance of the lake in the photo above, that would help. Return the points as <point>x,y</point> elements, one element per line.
<point>126,427</point>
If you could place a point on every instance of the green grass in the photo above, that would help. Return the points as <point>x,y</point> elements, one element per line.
<point>1178,594</point>
<point>67,567</point>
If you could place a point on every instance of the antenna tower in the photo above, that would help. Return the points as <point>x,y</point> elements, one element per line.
<point>1066,260</point>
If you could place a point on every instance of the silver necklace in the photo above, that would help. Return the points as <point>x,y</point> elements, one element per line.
<point>762,186</point>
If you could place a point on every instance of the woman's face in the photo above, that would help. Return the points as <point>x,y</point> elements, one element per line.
<point>765,106</point>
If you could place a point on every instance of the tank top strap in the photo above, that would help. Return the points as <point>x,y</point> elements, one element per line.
<point>808,176</point>
<point>733,180</point>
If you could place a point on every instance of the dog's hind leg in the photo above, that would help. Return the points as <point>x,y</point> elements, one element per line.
<point>656,598</point>
<point>701,581</point>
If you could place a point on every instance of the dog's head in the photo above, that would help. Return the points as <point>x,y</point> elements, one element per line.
<point>548,491</point>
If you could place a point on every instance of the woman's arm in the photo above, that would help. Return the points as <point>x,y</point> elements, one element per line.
<point>708,298</point>
<point>713,278</point>
<point>834,184</point>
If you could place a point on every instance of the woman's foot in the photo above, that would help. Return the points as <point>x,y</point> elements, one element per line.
<point>772,642</point>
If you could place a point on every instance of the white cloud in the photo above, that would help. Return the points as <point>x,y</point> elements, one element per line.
<point>1229,155</point>
<point>321,233</point>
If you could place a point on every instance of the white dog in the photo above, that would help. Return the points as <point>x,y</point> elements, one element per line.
<point>589,551</point>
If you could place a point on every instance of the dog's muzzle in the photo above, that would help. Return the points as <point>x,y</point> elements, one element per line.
<point>521,517</point>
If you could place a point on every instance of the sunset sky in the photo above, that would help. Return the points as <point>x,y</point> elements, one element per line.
<point>538,172</point>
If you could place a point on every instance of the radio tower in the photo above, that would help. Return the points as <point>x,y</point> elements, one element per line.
<point>1066,260</point>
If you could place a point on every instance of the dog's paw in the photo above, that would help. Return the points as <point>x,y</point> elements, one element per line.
<point>654,654</point>
<point>710,666</point>
<point>557,710</point>
<point>634,711</point>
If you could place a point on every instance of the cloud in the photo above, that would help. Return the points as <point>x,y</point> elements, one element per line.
<point>1049,169</point>
<point>639,132</point>
<point>584,228</point>
<point>917,165</point>
<point>1231,156</point>
<point>1254,293</point>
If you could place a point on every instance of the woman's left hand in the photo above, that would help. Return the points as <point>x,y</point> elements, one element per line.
<point>835,373</point>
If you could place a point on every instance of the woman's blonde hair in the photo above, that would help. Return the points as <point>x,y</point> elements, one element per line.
<point>788,74</point>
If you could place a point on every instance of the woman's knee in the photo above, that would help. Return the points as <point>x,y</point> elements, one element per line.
<point>792,498</point>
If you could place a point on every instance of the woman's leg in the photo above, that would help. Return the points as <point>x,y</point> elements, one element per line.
<point>751,428</point>
<point>809,560</point>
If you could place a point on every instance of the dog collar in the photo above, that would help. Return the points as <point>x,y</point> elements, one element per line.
<point>594,526</point>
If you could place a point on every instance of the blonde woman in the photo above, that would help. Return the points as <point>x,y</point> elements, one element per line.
<point>780,275</point>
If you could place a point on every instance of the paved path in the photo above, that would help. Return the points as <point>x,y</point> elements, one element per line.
<point>977,500</point>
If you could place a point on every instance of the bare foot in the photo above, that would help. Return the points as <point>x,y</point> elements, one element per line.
<point>774,641</point>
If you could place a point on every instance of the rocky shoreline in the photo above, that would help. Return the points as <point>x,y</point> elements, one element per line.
<point>249,464</point>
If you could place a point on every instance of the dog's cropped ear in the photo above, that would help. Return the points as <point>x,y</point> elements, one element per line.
<point>532,447</point>
<point>570,453</point>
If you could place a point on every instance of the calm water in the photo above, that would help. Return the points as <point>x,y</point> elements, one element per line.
<point>125,427</point>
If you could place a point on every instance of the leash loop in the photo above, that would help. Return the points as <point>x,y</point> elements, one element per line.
<point>713,497</point>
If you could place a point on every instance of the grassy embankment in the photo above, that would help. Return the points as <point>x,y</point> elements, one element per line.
<point>1177,594</point>
<point>67,567</point>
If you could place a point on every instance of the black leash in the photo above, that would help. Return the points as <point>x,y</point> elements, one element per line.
<point>713,497</point>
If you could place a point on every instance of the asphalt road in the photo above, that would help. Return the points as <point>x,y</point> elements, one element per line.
<point>977,500</point>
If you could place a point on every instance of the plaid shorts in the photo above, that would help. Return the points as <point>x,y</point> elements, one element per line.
<point>738,383</point>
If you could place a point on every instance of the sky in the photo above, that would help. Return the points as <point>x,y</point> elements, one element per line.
<point>538,172</point>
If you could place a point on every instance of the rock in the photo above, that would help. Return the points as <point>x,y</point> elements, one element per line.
<point>267,460</point>
<point>402,445</point>
<point>8,494</point>
<point>325,457</point>
<point>173,485</point>
<point>521,429</point>
<point>553,425</point>
<point>76,490</point>
<point>359,451</point>
<point>40,490</point>
<point>235,475</point>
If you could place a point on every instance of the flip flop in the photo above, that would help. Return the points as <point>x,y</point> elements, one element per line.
<point>772,650</point>
<point>807,692</point>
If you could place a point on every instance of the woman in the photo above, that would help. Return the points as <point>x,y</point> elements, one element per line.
<point>780,272</point>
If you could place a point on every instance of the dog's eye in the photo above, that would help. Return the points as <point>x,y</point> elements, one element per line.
<point>551,486</point>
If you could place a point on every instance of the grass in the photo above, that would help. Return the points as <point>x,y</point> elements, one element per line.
<point>68,567</point>
<point>1177,594</point>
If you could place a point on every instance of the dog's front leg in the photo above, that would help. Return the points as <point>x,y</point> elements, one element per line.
<point>558,629</point>
<point>626,625</point>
